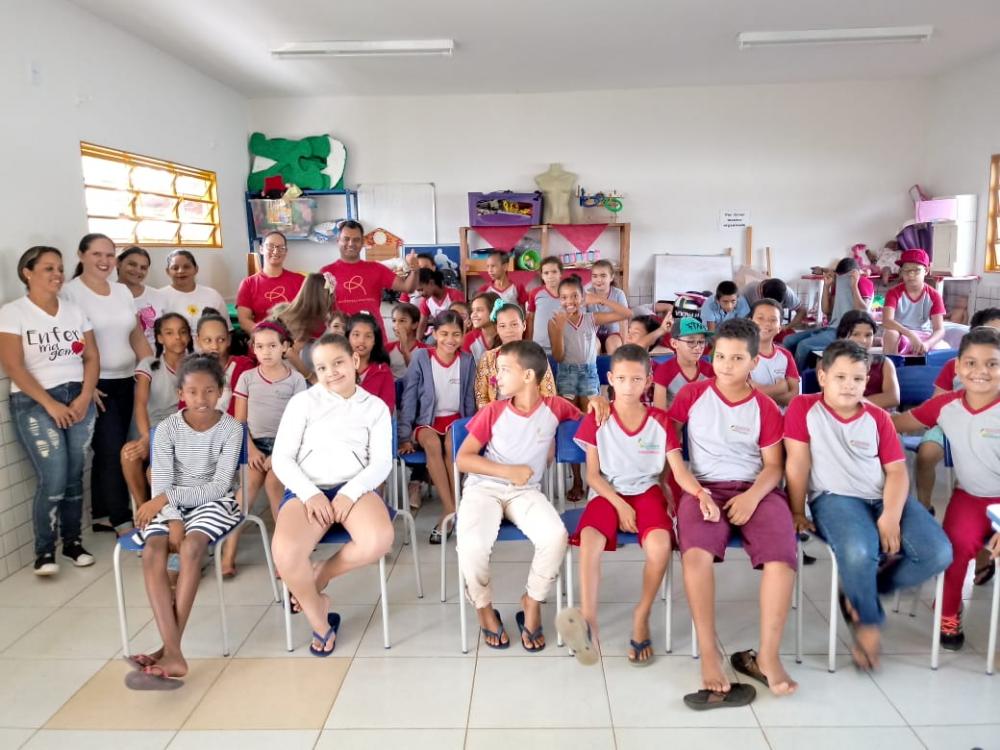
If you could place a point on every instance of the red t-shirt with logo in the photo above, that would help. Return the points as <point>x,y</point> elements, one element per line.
<point>360,286</point>
<point>261,292</point>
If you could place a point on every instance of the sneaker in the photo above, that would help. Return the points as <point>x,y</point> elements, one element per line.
<point>75,552</point>
<point>45,565</point>
<point>952,637</point>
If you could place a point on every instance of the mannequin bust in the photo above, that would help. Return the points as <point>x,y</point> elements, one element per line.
<point>557,186</point>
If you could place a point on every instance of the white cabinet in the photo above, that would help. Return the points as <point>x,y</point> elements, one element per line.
<point>955,241</point>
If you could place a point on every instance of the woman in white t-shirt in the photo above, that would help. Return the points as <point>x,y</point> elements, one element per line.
<point>185,295</point>
<point>121,343</point>
<point>48,350</point>
<point>133,267</point>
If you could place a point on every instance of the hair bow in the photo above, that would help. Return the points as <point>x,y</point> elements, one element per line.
<point>499,305</point>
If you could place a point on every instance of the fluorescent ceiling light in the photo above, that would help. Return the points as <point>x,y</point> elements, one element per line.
<point>750,39</point>
<point>366,49</point>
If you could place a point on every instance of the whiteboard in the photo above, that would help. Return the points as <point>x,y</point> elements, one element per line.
<point>407,209</point>
<point>685,273</point>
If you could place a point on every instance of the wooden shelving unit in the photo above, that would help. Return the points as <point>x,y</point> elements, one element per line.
<point>470,267</point>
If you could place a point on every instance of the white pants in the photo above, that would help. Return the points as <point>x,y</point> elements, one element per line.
<point>484,506</point>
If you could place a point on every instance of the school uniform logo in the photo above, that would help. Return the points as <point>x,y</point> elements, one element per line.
<point>740,429</point>
<point>861,445</point>
<point>649,445</point>
<point>990,432</point>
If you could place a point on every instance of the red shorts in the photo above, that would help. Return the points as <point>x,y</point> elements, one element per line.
<point>440,425</point>
<point>650,513</point>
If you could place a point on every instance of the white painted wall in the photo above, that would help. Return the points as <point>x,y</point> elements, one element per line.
<point>963,113</point>
<point>102,85</point>
<point>820,166</point>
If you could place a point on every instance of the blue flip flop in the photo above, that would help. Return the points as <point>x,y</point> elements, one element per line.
<point>498,634</point>
<point>334,619</point>
<point>638,648</point>
<point>533,635</point>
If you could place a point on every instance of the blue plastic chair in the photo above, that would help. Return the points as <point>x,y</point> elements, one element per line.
<point>128,543</point>
<point>554,364</point>
<point>508,532</point>
<point>810,382</point>
<point>916,384</point>
<point>938,357</point>
<point>897,359</point>
<point>603,368</point>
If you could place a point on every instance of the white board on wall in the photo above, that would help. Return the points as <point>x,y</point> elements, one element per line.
<point>686,273</point>
<point>407,209</point>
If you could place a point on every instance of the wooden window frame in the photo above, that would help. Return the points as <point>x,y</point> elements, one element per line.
<point>992,217</point>
<point>178,170</point>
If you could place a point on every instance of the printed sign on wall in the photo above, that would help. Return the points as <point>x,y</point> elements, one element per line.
<point>734,218</point>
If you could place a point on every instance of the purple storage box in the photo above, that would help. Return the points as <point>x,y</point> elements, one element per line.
<point>504,209</point>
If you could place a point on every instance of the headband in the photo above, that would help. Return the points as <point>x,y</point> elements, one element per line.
<point>499,305</point>
<point>273,325</point>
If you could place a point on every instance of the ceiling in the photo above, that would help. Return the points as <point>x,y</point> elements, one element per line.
<point>547,45</point>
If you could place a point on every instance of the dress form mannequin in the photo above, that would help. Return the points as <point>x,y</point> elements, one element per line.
<point>557,186</point>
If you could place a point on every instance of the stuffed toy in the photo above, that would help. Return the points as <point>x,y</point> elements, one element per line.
<point>313,163</point>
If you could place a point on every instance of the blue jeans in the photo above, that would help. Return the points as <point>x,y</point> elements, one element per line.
<point>803,343</point>
<point>848,524</point>
<point>578,380</point>
<point>57,456</point>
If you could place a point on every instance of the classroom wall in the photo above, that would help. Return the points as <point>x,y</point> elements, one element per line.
<point>819,166</point>
<point>963,113</point>
<point>99,84</point>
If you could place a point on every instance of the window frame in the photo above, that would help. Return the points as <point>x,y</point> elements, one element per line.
<point>132,160</point>
<point>992,260</point>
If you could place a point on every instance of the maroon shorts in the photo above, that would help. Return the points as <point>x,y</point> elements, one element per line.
<point>440,425</point>
<point>650,513</point>
<point>769,535</point>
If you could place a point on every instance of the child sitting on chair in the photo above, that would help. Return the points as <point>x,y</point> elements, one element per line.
<point>775,374</point>
<point>913,313</point>
<point>626,458</point>
<point>504,482</point>
<point>689,337</point>
<point>727,304</point>
<point>734,437</point>
<point>602,284</point>
<point>844,456</point>
<point>194,458</point>
<point>333,448</point>
<point>970,420</point>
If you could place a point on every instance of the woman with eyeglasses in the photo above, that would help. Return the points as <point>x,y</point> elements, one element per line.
<point>272,285</point>
<point>48,349</point>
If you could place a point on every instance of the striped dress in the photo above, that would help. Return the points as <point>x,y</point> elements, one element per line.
<point>196,472</point>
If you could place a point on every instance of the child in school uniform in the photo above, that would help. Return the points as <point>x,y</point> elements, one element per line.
<point>775,374</point>
<point>573,333</point>
<point>462,308</point>
<point>405,318</point>
<point>436,298</point>
<point>261,395</point>
<point>509,321</point>
<point>337,323</point>
<point>505,482</point>
<point>155,397</point>
<point>626,458</point>
<point>500,282</point>
<point>332,450</point>
<point>727,303</point>
<point>194,458</point>
<point>212,337</point>
<point>689,337</point>
<point>844,457</point>
<point>734,437</point>
<point>602,284</point>
<point>374,375</point>
<point>543,302</point>
<point>483,335</point>
<point>913,313</point>
<point>437,390</point>
<point>882,388</point>
<point>970,420</point>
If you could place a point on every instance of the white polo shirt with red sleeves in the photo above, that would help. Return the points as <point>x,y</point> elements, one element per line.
<point>430,307</point>
<point>514,437</point>
<point>914,312</point>
<point>670,375</point>
<point>725,438</point>
<point>974,436</point>
<point>848,454</point>
<point>632,462</point>
<point>779,366</point>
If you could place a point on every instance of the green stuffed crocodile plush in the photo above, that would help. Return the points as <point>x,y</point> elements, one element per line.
<point>313,163</point>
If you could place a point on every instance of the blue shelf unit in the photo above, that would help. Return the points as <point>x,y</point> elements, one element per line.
<point>350,199</point>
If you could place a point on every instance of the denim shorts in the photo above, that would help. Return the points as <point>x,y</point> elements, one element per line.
<point>578,380</point>
<point>264,445</point>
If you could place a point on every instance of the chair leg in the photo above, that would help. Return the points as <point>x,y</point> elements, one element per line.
<point>120,597</point>
<point>569,603</point>
<point>915,601</point>
<point>895,601</point>
<point>266,541</point>
<point>384,591</point>
<point>222,604</point>
<point>444,550</point>
<point>462,624</point>
<point>286,606</point>
<point>668,603</point>
<point>411,527</point>
<point>991,650</point>
<point>832,646</point>
<point>798,609</point>
<point>936,630</point>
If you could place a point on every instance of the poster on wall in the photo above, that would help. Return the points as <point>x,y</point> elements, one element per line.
<point>734,218</point>
<point>445,258</point>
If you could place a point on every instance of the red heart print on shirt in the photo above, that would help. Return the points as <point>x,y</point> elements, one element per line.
<point>77,347</point>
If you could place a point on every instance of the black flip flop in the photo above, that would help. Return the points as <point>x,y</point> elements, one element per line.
<point>533,635</point>
<point>745,662</point>
<point>984,573</point>
<point>740,694</point>
<point>500,645</point>
<point>333,619</point>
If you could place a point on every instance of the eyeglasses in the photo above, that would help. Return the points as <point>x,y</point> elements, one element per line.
<point>696,344</point>
<point>911,271</point>
<point>276,248</point>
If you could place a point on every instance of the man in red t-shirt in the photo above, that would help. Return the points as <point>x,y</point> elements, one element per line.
<point>273,285</point>
<point>360,283</point>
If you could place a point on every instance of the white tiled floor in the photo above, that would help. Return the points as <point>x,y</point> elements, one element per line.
<point>59,639</point>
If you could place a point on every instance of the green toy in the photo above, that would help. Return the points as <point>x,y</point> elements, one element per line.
<point>529,260</point>
<point>313,163</point>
